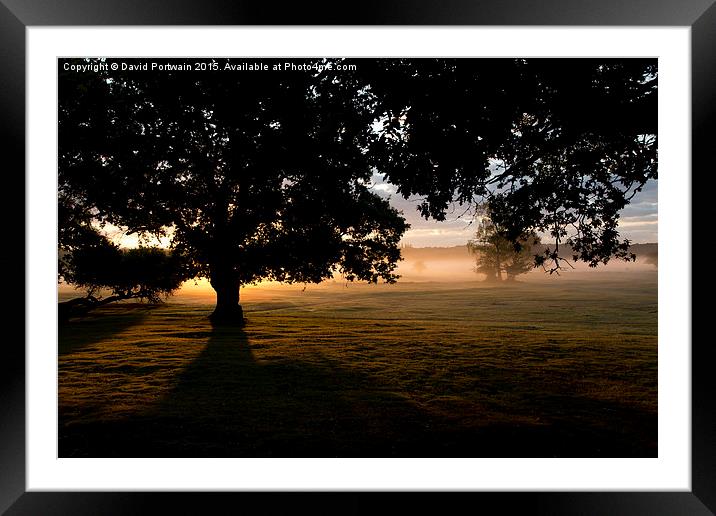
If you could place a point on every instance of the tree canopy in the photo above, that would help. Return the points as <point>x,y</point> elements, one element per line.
<point>558,146</point>
<point>267,174</point>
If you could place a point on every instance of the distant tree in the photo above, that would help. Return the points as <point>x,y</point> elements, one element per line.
<point>499,257</point>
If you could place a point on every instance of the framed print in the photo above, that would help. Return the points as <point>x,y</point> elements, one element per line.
<point>269,159</point>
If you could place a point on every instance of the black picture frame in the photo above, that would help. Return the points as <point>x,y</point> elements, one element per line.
<point>16,15</point>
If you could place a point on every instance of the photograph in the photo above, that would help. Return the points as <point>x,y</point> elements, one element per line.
<point>319,257</point>
<point>357,257</point>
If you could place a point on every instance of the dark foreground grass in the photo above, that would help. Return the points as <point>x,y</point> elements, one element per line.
<point>565,369</point>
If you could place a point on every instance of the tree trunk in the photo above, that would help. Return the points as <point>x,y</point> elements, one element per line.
<point>227,287</point>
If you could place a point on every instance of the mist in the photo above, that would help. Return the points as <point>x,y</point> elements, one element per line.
<point>456,264</point>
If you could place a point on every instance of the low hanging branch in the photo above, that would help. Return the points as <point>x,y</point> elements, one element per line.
<point>82,305</point>
<point>144,273</point>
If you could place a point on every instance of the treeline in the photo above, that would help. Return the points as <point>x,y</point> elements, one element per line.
<point>645,253</point>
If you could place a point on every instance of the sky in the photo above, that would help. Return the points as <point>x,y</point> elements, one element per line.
<point>638,221</point>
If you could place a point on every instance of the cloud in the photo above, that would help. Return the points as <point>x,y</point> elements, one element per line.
<point>384,187</point>
<point>638,220</point>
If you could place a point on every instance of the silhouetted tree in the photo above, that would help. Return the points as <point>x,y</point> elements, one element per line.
<point>255,175</point>
<point>498,257</point>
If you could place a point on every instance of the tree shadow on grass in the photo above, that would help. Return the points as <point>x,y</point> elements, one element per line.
<point>229,404</point>
<point>99,325</point>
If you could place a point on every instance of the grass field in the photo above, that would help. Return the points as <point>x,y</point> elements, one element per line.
<point>564,368</point>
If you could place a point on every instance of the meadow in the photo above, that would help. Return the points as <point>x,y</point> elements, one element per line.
<point>545,367</point>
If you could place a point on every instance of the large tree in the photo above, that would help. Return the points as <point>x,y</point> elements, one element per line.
<point>253,174</point>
